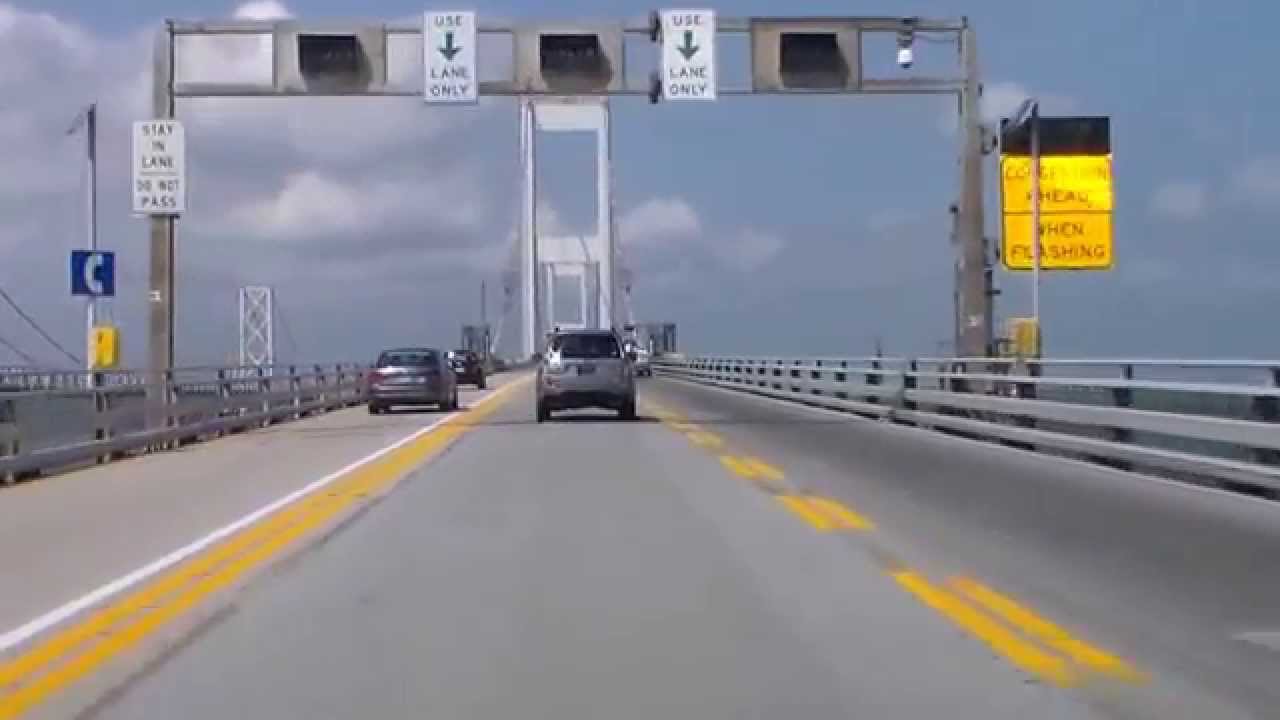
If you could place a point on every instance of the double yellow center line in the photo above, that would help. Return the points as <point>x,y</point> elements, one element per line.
<point>1022,636</point>
<point>822,513</point>
<point>72,653</point>
<point>1026,639</point>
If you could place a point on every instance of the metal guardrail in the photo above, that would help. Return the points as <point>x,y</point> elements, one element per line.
<point>55,419</point>
<point>1195,420</point>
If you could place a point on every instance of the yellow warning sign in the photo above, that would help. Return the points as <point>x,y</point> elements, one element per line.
<point>104,347</point>
<point>1068,241</point>
<point>1068,183</point>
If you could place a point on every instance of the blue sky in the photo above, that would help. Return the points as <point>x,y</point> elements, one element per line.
<point>809,225</point>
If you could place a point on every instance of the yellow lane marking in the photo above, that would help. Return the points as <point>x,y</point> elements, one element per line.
<point>767,476</point>
<point>686,427</point>
<point>1034,625</point>
<point>737,466</point>
<point>706,439</point>
<point>764,469</point>
<point>843,516</point>
<point>1021,653</point>
<point>800,506</point>
<point>118,627</point>
<point>825,514</point>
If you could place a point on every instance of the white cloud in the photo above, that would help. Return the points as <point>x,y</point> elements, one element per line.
<point>1001,100</point>
<point>659,222</point>
<point>1180,200</point>
<point>306,194</point>
<point>263,10</point>
<point>749,249</point>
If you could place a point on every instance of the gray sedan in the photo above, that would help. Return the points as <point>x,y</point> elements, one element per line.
<point>412,376</point>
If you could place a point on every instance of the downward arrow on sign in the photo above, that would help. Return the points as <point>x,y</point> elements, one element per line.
<point>688,50</point>
<point>449,49</point>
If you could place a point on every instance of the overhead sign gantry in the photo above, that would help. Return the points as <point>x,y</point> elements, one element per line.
<point>789,56</point>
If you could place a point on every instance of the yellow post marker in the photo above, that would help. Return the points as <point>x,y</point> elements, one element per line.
<point>104,347</point>
<point>1024,337</point>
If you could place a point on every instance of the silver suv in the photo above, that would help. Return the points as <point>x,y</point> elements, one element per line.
<point>586,368</point>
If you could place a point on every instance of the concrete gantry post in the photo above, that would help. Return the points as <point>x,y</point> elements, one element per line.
<point>974,316</point>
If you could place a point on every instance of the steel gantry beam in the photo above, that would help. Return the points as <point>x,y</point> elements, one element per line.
<point>815,55</point>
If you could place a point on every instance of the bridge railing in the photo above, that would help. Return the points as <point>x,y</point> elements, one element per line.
<point>1195,420</point>
<point>54,419</point>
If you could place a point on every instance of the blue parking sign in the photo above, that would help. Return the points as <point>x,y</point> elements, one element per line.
<point>93,273</point>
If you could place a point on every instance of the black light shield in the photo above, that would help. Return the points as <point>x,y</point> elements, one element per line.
<point>573,62</point>
<point>333,60</point>
<point>568,59</point>
<point>329,61</point>
<point>805,55</point>
<point>812,60</point>
<point>1068,135</point>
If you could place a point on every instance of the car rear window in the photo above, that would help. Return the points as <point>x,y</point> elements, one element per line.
<point>588,346</point>
<point>407,358</point>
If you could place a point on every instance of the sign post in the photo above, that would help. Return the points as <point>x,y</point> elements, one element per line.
<point>449,57</point>
<point>688,55</point>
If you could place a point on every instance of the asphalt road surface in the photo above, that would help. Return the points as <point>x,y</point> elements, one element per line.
<point>734,557</point>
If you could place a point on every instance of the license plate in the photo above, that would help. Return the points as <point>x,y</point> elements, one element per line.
<point>403,380</point>
<point>586,369</point>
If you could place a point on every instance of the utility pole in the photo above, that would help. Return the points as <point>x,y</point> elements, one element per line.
<point>89,119</point>
<point>91,125</point>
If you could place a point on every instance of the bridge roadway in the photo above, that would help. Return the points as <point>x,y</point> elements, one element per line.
<point>726,557</point>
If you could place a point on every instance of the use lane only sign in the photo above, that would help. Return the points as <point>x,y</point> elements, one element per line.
<point>688,55</point>
<point>449,57</point>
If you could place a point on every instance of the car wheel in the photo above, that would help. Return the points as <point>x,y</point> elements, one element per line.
<point>543,413</point>
<point>374,409</point>
<point>480,384</point>
<point>628,411</point>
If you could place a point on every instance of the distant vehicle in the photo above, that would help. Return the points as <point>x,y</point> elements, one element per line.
<point>412,376</point>
<point>584,369</point>
<point>642,362</point>
<point>468,367</point>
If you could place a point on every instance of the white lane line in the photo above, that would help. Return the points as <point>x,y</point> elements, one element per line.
<point>1269,639</point>
<point>44,622</point>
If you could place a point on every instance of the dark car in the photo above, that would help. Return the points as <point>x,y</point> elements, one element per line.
<point>412,376</point>
<point>468,367</point>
